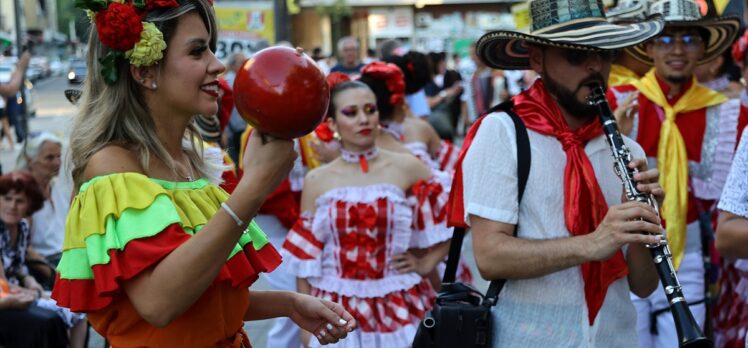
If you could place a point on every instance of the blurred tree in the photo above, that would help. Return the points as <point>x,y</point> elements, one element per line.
<point>66,12</point>
<point>340,13</point>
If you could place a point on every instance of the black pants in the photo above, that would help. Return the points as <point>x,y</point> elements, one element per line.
<point>33,327</point>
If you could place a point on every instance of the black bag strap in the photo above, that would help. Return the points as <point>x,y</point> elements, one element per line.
<point>523,171</point>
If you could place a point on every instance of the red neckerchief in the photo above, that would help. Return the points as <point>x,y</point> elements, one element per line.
<point>584,203</point>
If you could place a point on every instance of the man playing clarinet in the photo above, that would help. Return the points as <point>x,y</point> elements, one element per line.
<point>579,251</point>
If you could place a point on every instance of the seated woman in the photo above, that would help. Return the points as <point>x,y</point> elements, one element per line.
<point>27,318</point>
<point>363,216</point>
<point>41,157</point>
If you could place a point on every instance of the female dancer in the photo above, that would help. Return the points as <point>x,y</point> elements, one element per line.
<point>416,133</point>
<point>386,80</point>
<point>363,215</point>
<point>156,254</point>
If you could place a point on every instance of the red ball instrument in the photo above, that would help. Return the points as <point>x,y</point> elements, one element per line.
<point>281,92</point>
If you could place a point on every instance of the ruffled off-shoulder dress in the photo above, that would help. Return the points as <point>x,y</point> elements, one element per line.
<point>345,248</point>
<point>122,224</point>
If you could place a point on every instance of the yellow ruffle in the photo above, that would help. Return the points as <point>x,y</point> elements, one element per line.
<point>110,195</point>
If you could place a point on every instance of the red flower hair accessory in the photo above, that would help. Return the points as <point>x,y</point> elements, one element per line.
<point>119,26</point>
<point>324,133</point>
<point>392,76</point>
<point>152,4</point>
<point>739,48</point>
<point>336,78</point>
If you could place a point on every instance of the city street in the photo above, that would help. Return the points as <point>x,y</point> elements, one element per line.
<point>55,114</point>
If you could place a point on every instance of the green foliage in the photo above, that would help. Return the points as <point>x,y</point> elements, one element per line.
<point>109,66</point>
<point>67,12</point>
<point>93,5</point>
<point>336,11</point>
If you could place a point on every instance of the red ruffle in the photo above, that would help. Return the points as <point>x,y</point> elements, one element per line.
<point>141,254</point>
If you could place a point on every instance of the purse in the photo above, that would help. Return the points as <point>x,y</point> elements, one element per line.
<point>461,315</point>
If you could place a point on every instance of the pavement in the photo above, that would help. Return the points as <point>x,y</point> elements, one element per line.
<point>55,114</point>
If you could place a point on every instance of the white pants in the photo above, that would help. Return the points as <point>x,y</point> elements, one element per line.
<point>691,277</point>
<point>284,333</point>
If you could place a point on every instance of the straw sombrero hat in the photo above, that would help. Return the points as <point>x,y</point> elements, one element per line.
<point>628,11</point>
<point>573,24</point>
<point>685,13</point>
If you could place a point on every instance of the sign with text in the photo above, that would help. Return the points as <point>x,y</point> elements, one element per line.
<point>244,27</point>
<point>391,22</point>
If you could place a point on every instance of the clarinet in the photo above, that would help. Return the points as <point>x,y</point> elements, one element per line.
<point>689,332</point>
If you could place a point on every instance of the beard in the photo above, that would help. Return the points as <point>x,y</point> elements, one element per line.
<point>677,80</point>
<point>567,98</point>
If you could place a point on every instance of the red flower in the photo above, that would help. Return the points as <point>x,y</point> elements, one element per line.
<point>324,132</point>
<point>119,26</point>
<point>151,4</point>
<point>391,75</point>
<point>336,78</point>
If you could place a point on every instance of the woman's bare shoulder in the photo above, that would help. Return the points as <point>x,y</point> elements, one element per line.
<point>410,166</point>
<point>112,159</point>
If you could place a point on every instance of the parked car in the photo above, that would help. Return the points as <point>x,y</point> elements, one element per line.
<point>41,64</point>
<point>6,71</point>
<point>78,72</point>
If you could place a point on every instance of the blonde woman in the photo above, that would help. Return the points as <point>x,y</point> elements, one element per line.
<point>154,253</point>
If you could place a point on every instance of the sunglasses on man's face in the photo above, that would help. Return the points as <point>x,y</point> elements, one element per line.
<point>579,57</point>
<point>689,41</point>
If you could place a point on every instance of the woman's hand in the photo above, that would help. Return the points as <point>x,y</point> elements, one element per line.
<point>327,321</point>
<point>33,286</point>
<point>267,160</point>
<point>326,153</point>
<point>407,262</point>
<point>647,180</point>
<point>624,113</point>
<point>19,300</point>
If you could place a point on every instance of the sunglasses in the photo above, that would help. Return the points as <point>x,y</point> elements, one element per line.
<point>668,42</point>
<point>351,111</point>
<point>579,57</point>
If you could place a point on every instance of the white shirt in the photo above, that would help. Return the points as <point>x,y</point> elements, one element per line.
<point>735,193</point>
<point>48,224</point>
<point>550,309</point>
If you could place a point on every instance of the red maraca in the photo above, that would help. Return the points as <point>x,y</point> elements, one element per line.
<point>281,91</point>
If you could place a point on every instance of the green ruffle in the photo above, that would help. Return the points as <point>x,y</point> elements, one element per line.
<point>108,213</point>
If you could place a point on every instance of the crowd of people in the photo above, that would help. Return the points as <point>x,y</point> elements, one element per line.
<point>168,206</point>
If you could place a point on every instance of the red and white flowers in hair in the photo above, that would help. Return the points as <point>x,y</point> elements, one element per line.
<point>121,28</point>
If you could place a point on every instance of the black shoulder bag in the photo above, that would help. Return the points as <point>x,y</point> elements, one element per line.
<point>461,316</point>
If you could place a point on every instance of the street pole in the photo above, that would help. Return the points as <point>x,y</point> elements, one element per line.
<point>281,21</point>
<point>22,120</point>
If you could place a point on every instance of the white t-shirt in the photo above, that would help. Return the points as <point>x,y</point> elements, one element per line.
<point>48,224</point>
<point>549,309</point>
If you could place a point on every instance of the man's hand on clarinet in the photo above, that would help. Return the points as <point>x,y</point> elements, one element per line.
<point>647,180</point>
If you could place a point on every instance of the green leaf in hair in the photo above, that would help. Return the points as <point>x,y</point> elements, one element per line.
<point>109,66</point>
<point>93,5</point>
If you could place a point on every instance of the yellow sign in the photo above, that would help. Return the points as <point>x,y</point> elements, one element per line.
<point>248,20</point>
<point>521,14</point>
<point>244,27</point>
